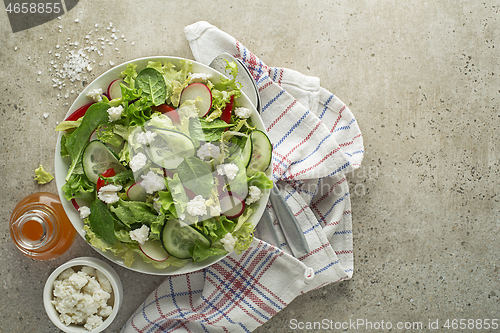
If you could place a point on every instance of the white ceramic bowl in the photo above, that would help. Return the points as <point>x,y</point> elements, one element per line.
<point>99,265</point>
<point>62,165</point>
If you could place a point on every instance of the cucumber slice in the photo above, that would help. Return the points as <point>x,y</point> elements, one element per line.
<point>261,153</point>
<point>169,148</point>
<point>97,158</point>
<point>246,153</point>
<point>178,238</point>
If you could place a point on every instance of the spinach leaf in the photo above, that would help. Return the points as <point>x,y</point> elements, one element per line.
<point>196,176</point>
<point>95,116</point>
<point>153,85</point>
<point>102,222</point>
<point>202,130</point>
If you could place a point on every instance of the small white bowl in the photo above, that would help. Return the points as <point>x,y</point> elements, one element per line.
<point>99,265</point>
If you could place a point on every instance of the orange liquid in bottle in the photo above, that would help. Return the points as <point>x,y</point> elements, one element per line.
<point>40,228</point>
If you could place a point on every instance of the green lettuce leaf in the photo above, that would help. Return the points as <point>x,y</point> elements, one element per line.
<point>67,125</point>
<point>200,252</point>
<point>130,212</point>
<point>42,176</point>
<point>79,187</point>
<point>122,250</point>
<point>243,236</point>
<point>129,75</point>
<point>178,193</point>
<point>260,180</point>
<point>166,202</point>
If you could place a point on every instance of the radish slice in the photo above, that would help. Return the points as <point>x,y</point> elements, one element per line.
<point>195,90</point>
<point>93,136</point>
<point>136,192</point>
<point>232,205</point>
<point>114,89</point>
<point>75,204</point>
<point>154,250</point>
<point>80,112</point>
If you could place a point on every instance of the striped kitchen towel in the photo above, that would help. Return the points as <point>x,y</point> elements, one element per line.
<point>316,141</point>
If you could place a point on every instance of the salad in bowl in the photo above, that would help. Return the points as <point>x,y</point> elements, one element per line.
<point>163,165</point>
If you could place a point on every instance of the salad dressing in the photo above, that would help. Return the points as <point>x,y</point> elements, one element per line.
<point>40,228</point>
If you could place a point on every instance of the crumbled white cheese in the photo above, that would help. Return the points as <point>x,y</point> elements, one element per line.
<point>228,241</point>
<point>138,161</point>
<point>95,94</point>
<point>109,193</point>
<point>230,170</point>
<point>146,138</point>
<point>140,235</point>
<point>93,322</point>
<point>80,299</point>
<point>215,209</point>
<point>66,274</point>
<point>153,182</point>
<point>242,112</point>
<point>103,281</point>
<point>208,150</point>
<point>90,271</point>
<point>84,212</point>
<point>157,205</point>
<point>196,206</point>
<point>254,194</point>
<point>115,113</point>
<point>199,77</point>
<point>78,280</point>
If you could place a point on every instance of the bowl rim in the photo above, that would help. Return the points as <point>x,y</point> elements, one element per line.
<point>139,265</point>
<point>98,264</point>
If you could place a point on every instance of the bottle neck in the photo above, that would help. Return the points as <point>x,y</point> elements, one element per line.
<point>34,230</point>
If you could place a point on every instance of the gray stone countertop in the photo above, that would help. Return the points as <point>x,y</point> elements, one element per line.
<point>422,79</point>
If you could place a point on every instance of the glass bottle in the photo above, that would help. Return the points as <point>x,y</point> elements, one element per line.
<point>40,228</point>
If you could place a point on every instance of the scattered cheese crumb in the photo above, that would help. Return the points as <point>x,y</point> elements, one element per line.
<point>199,77</point>
<point>230,170</point>
<point>84,212</point>
<point>215,210</point>
<point>95,94</point>
<point>254,195</point>
<point>242,112</point>
<point>228,241</point>
<point>152,182</point>
<point>137,162</point>
<point>208,150</point>
<point>196,206</point>
<point>140,235</point>
<point>115,113</point>
<point>109,193</point>
<point>146,138</point>
<point>157,205</point>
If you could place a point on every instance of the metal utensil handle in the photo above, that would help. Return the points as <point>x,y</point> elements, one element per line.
<point>289,224</point>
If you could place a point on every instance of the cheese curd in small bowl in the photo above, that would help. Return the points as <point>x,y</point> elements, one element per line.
<point>83,295</point>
